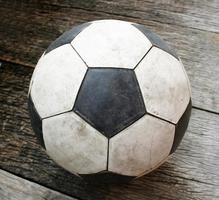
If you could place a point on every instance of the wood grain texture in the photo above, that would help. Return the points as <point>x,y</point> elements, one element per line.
<point>191,174</point>
<point>191,27</point>
<point>193,14</point>
<point>15,188</point>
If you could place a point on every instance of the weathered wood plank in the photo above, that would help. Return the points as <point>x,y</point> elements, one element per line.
<point>27,28</point>
<point>194,14</point>
<point>15,188</point>
<point>192,173</point>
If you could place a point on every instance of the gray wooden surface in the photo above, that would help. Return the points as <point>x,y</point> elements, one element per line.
<point>192,27</point>
<point>15,188</point>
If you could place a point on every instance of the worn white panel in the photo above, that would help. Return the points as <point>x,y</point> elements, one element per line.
<point>111,43</point>
<point>57,80</point>
<point>34,72</point>
<point>141,146</point>
<point>74,144</point>
<point>154,167</point>
<point>163,85</point>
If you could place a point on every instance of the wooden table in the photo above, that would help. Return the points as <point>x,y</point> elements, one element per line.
<point>28,27</point>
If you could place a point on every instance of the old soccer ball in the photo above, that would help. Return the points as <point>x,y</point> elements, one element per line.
<point>109,101</point>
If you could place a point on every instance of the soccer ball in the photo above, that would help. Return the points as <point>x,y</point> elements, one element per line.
<point>109,101</point>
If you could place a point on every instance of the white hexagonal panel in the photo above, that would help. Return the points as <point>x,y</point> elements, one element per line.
<point>111,43</point>
<point>163,84</point>
<point>34,72</point>
<point>141,146</point>
<point>57,81</point>
<point>74,144</point>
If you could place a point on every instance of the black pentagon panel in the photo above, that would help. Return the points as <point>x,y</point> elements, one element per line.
<point>36,121</point>
<point>156,40</point>
<point>66,37</point>
<point>106,177</point>
<point>110,99</point>
<point>181,127</point>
